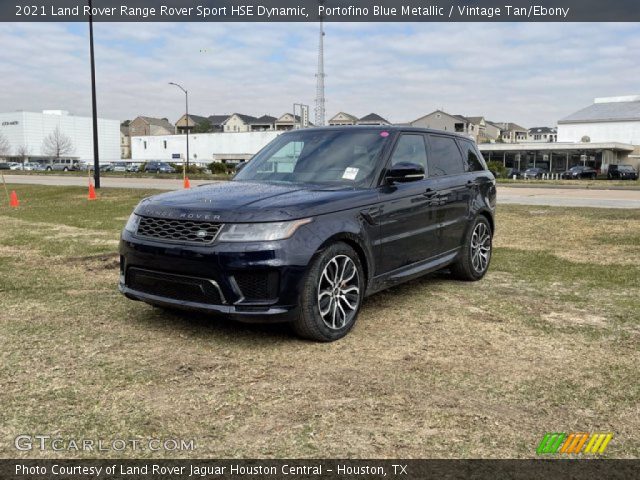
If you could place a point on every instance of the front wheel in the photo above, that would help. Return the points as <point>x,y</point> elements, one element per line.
<point>331,295</point>
<point>476,252</point>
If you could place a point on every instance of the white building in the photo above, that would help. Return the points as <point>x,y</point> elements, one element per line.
<point>29,129</point>
<point>204,148</point>
<point>609,119</point>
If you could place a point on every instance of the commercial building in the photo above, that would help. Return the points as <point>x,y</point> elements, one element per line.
<point>27,131</point>
<point>558,157</point>
<point>608,119</point>
<point>204,148</point>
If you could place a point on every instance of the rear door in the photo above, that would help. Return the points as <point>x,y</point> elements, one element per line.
<point>454,189</point>
<point>407,222</point>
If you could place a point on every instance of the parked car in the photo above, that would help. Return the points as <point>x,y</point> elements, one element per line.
<point>535,172</point>
<point>159,167</point>
<point>511,172</point>
<point>15,166</point>
<point>316,221</point>
<point>580,172</point>
<point>32,166</point>
<point>63,165</point>
<point>5,166</point>
<point>106,167</point>
<point>622,172</point>
<point>133,167</point>
<point>119,166</point>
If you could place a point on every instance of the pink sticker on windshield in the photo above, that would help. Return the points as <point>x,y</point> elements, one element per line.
<point>384,134</point>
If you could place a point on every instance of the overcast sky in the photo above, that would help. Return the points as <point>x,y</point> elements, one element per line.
<point>529,73</point>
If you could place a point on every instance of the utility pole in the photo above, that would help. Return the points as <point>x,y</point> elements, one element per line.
<point>186,104</point>
<point>96,154</point>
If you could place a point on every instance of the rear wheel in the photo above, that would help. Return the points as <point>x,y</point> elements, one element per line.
<point>476,252</point>
<point>332,294</point>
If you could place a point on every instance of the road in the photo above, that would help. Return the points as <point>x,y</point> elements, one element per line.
<point>552,196</point>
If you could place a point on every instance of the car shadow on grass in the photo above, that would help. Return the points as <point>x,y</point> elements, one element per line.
<point>219,327</point>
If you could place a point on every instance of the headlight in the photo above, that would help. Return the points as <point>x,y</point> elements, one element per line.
<point>132,223</point>
<point>260,232</point>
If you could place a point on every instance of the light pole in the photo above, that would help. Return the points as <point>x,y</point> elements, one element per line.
<point>186,104</point>
<point>96,155</point>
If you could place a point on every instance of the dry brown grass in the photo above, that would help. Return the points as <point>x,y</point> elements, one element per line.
<point>434,368</point>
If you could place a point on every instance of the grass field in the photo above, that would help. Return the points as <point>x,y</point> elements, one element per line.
<point>548,341</point>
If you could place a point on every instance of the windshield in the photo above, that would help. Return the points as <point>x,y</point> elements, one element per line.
<point>625,168</point>
<point>322,157</point>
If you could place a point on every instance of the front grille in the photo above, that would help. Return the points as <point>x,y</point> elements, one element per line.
<point>175,287</point>
<point>187,231</point>
<point>258,285</point>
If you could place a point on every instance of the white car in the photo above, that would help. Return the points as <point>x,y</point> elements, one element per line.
<point>119,166</point>
<point>15,166</point>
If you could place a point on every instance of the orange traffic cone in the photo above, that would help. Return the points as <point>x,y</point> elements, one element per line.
<point>13,199</point>
<point>92,192</point>
<point>187,184</point>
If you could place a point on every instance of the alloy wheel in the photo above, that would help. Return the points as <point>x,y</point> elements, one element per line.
<point>480,247</point>
<point>339,292</point>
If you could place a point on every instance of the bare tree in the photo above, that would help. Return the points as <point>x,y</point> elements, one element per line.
<point>57,144</point>
<point>22,151</point>
<point>5,146</point>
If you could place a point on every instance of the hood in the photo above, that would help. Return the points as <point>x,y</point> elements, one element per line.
<point>253,202</point>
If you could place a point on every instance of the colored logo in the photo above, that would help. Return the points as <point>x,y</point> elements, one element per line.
<point>592,443</point>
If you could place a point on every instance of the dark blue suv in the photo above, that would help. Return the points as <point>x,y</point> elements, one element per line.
<point>313,223</point>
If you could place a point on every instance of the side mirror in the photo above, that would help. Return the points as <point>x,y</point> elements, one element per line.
<point>240,166</point>
<point>403,172</point>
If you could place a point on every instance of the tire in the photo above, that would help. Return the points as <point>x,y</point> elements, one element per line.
<point>479,238</point>
<point>323,316</point>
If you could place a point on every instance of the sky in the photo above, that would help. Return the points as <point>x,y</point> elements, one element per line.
<point>532,74</point>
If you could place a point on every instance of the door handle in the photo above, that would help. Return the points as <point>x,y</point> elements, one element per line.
<point>429,193</point>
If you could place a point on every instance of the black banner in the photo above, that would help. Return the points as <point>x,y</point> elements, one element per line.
<point>311,10</point>
<point>583,469</point>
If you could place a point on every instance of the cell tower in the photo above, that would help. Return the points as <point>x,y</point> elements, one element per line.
<point>319,111</point>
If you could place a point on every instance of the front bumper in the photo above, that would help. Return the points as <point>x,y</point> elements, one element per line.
<point>257,282</point>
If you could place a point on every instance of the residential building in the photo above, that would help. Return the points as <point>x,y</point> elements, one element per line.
<point>150,126</point>
<point>440,120</point>
<point>194,122</point>
<point>542,135</point>
<point>288,121</point>
<point>373,119</point>
<point>204,148</point>
<point>30,129</point>
<point>492,132</point>
<point>125,140</point>
<point>342,118</point>
<point>239,122</point>
<point>217,122</point>
<point>608,119</point>
<point>512,132</point>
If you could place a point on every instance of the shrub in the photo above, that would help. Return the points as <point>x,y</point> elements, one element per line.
<point>192,168</point>
<point>218,168</point>
<point>497,168</point>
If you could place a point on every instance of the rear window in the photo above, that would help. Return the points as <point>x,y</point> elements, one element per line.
<point>473,162</point>
<point>445,157</point>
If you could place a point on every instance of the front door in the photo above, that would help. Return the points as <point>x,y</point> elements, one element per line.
<point>408,228</point>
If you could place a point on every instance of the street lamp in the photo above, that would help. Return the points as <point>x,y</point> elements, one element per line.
<point>94,108</point>
<point>186,103</point>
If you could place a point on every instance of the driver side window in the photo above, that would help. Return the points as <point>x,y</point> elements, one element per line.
<point>410,148</point>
